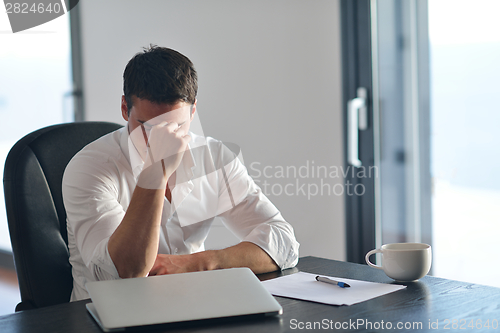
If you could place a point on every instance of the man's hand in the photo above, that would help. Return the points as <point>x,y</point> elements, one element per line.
<point>168,142</point>
<point>165,144</point>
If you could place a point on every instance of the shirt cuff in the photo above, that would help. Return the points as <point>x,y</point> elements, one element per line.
<point>101,265</point>
<point>282,248</point>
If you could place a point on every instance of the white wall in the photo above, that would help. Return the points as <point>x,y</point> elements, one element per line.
<point>270,81</point>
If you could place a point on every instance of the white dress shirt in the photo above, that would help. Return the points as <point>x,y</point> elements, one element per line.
<point>211,181</point>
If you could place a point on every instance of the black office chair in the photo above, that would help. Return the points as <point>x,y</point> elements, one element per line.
<point>35,211</point>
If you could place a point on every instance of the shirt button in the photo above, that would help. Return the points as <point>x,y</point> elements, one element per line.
<point>176,250</point>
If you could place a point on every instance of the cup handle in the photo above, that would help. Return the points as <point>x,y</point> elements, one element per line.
<point>367,258</point>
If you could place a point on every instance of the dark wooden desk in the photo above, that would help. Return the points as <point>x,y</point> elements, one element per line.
<point>450,305</point>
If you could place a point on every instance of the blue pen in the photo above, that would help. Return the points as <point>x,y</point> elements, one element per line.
<point>327,280</point>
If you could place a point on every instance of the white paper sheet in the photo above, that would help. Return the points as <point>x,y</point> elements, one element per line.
<point>304,286</point>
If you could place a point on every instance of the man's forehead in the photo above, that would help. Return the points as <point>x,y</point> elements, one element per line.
<point>179,114</point>
<point>146,101</point>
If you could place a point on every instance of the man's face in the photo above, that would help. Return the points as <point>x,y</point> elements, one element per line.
<point>149,114</point>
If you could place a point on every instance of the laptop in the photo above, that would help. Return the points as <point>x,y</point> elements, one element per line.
<point>119,304</point>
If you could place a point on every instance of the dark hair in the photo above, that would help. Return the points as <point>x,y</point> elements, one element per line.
<point>160,75</point>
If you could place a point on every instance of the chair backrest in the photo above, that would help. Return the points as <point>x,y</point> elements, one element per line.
<point>35,210</point>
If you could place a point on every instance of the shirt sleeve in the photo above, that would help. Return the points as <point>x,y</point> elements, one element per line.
<point>93,212</point>
<point>251,215</point>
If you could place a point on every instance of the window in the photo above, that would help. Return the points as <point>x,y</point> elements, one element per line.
<point>35,87</point>
<point>431,71</point>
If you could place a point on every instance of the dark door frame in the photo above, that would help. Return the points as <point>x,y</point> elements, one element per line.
<point>357,72</point>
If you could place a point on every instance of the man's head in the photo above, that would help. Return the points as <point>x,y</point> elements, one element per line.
<point>157,82</point>
<point>160,75</point>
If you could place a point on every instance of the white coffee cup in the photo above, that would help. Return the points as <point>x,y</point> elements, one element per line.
<point>403,261</point>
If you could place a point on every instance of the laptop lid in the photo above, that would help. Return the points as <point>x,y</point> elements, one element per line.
<point>179,297</point>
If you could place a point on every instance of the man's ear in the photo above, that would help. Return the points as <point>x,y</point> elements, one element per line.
<point>124,108</point>
<point>193,110</point>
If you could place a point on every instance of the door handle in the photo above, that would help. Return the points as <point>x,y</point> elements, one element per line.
<point>357,119</point>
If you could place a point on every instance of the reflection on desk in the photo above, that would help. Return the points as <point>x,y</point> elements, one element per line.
<point>431,304</point>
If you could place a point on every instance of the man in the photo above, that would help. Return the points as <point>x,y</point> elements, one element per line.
<point>140,201</point>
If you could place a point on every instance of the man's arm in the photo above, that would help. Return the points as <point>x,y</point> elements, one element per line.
<point>134,244</point>
<point>244,254</point>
